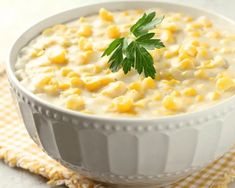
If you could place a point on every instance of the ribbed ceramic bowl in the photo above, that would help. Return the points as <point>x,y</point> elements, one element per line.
<point>125,151</point>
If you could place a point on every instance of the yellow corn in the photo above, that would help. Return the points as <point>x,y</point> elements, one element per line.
<point>169,103</point>
<point>171,27</point>
<point>51,89</point>
<point>58,56</point>
<point>188,19</point>
<point>189,49</point>
<point>225,83</point>
<point>94,85</point>
<point>167,36</point>
<point>124,105</point>
<point>186,64</point>
<point>135,85</point>
<point>64,86</point>
<point>37,53</point>
<point>115,89</point>
<point>86,31</point>
<point>175,93</point>
<point>113,31</point>
<point>195,33</point>
<point>183,55</point>
<point>84,44</point>
<point>171,52</point>
<point>75,102</point>
<point>85,57</point>
<point>214,95</point>
<point>72,74</point>
<point>200,74</point>
<point>157,96</point>
<point>105,15</point>
<point>76,81</point>
<point>195,43</point>
<point>214,35</point>
<point>149,83</point>
<point>207,64</point>
<point>42,82</point>
<point>65,70</point>
<point>190,92</point>
<point>202,52</point>
<point>205,22</point>
<point>199,98</point>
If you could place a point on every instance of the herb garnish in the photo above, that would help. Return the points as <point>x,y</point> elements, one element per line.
<point>127,54</point>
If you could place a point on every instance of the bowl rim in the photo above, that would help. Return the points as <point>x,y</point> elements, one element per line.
<point>187,115</point>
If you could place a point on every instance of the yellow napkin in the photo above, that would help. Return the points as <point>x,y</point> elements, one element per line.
<point>17,149</point>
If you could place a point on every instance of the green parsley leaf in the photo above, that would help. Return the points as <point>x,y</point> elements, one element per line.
<point>133,54</point>
<point>146,23</point>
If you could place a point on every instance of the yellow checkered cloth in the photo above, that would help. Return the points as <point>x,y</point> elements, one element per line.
<point>17,149</point>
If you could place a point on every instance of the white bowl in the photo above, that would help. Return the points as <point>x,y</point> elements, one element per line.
<point>125,151</point>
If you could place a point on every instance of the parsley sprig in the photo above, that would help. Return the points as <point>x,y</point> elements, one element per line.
<point>127,54</point>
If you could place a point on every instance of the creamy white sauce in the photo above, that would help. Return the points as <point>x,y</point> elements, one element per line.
<point>177,31</point>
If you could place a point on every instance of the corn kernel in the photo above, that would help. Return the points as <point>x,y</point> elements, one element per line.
<point>65,71</point>
<point>195,33</point>
<point>82,19</point>
<point>149,83</point>
<point>113,32</point>
<point>37,53</point>
<point>42,82</point>
<point>51,89</point>
<point>157,96</point>
<point>115,89</point>
<point>167,36</point>
<point>72,74</point>
<point>191,50</point>
<point>75,102</point>
<point>225,83</point>
<point>195,43</point>
<point>94,85</point>
<point>171,27</point>
<point>183,55</point>
<point>76,81</point>
<point>85,57</point>
<point>58,56</point>
<point>105,15</point>
<point>190,92</point>
<point>186,64</point>
<point>208,64</point>
<point>72,91</point>
<point>188,19</point>
<point>193,26</point>
<point>205,22</point>
<point>135,85</point>
<point>86,31</point>
<point>202,52</point>
<point>175,93</point>
<point>124,105</point>
<point>48,32</point>
<point>64,86</point>
<point>140,103</point>
<point>200,74</point>
<point>214,35</point>
<point>173,51</point>
<point>125,13</point>
<point>199,98</point>
<point>169,103</point>
<point>204,44</point>
<point>214,96</point>
<point>84,44</point>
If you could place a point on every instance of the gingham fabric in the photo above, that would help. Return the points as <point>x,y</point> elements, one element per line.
<point>17,149</point>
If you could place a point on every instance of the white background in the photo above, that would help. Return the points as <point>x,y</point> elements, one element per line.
<point>17,15</point>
